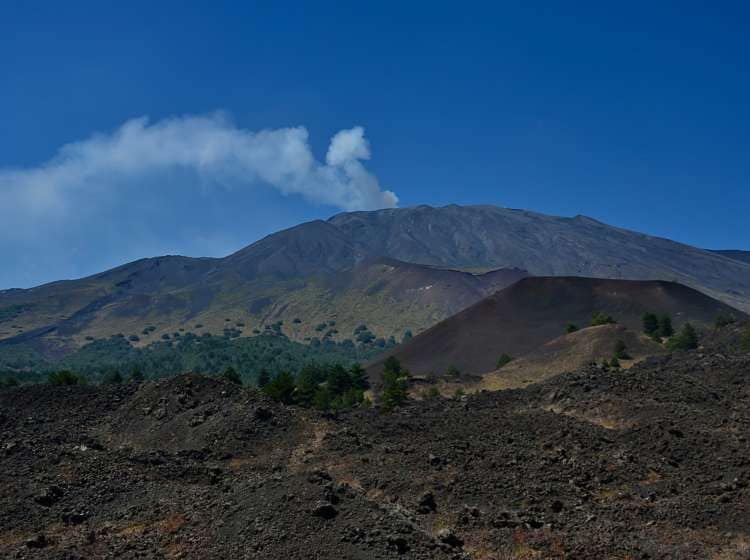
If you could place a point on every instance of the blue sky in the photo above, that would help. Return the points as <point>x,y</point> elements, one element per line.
<point>635,114</point>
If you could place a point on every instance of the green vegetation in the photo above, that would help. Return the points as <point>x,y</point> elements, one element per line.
<point>503,360</point>
<point>651,325</point>
<point>724,320</point>
<point>686,339</point>
<point>325,387</point>
<point>281,388</point>
<point>8,382</point>
<point>431,394</point>
<point>100,359</point>
<point>571,328</point>
<point>745,339</point>
<point>231,375</point>
<point>65,377</point>
<point>600,318</point>
<point>665,326</point>
<point>395,384</point>
<point>453,372</point>
<point>114,378</point>
<point>620,351</point>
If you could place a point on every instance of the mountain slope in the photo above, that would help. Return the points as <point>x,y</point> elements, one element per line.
<point>536,310</point>
<point>570,352</point>
<point>491,237</point>
<point>742,256</point>
<point>338,271</point>
<point>245,292</point>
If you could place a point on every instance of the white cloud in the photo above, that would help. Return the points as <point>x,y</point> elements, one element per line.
<point>208,148</point>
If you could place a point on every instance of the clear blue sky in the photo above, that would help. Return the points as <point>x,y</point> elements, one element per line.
<point>636,114</point>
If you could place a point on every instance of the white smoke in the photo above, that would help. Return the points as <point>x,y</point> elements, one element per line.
<point>210,149</point>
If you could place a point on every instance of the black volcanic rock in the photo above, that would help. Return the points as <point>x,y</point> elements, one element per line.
<point>589,465</point>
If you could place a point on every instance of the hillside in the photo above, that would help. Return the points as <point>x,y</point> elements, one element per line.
<point>157,297</point>
<point>390,270</point>
<point>570,352</point>
<point>475,237</point>
<point>535,310</point>
<point>742,256</point>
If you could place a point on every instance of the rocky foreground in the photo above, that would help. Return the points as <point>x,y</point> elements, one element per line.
<point>649,463</point>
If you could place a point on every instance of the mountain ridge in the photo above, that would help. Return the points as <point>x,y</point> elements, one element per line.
<point>309,272</point>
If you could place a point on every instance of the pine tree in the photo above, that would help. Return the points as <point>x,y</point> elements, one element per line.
<point>600,318</point>
<point>114,378</point>
<point>503,360</point>
<point>621,351</point>
<point>650,324</point>
<point>665,326</point>
<point>687,339</point>
<point>745,339</point>
<point>281,388</point>
<point>359,377</point>
<point>264,378</point>
<point>231,375</point>
<point>395,384</point>
<point>136,375</point>
<point>308,382</point>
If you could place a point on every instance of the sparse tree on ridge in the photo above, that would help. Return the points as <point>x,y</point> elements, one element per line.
<point>650,324</point>
<point>395,384</point>
<point>503,360</point>
<point>665,326</point>
<point>600,318</point>
<point>231,375</point>
<point>686,339</point>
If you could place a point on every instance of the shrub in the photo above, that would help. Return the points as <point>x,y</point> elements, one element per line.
<point>453,372</point>
<point>231,375</point>
<point>137,375</point>
<point>395,384</point>
<point>264,378</point>
<point>281,388</point>
<point>650,324</point>
<point>599,318</point>
<point>459,394</point>
<point>621,351</point>
<point>745,339</point>
<point>113,378</point>
<point>503,360</point>
<point>687,339</point>
<point>407,336</point>
<point>724,320</point>
<point>65,377</point>
<point>665,326</point>
<point>359,377</point>
<point>614,363</point>
<point>431,394</point>
<point>571,328</point>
